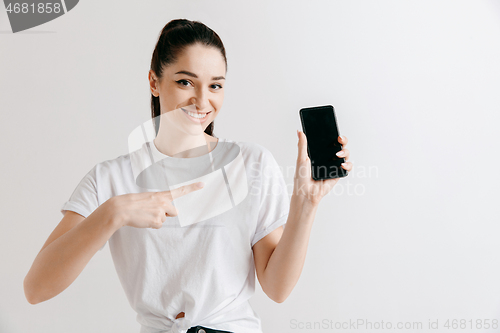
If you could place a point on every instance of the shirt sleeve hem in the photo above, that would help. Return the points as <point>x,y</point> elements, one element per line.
<point>75,208</point>
<point>279,222</point>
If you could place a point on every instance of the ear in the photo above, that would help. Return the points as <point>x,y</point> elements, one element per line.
<point>153,83</point>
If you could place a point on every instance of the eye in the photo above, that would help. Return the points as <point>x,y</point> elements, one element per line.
<point>216,86</point>
<point>184,83</point>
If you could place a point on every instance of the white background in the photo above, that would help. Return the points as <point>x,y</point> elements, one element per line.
<point>411,235</point>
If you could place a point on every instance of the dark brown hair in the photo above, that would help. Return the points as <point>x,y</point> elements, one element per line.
<point>174,38</point>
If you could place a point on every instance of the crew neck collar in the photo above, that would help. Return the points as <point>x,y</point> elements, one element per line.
<point>160,156</point>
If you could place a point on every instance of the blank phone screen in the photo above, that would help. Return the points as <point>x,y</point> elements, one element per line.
<point>320,127</point>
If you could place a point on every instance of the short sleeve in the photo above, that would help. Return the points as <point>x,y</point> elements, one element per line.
<point>84,199</point>
<point>274,201</point>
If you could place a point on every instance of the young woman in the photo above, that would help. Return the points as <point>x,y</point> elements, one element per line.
<point>199,277</point>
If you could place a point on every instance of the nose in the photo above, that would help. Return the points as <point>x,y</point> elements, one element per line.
<point>200,99</point>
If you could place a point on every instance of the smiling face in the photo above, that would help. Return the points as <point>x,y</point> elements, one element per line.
<point>196,79</point>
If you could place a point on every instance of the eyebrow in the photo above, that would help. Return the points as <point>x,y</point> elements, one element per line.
<point>196,76</point>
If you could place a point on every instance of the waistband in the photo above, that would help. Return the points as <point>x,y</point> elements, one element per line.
<point>203,329</point>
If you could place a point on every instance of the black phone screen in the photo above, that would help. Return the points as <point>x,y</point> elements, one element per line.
<point>320,127</point>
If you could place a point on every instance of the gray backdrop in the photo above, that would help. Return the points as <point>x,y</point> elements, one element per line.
<point>411,236</point>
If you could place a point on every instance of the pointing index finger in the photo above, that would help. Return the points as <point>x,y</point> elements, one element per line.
<point>183,190</point>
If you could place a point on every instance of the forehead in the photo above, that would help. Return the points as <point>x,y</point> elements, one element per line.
<point>201,60</point>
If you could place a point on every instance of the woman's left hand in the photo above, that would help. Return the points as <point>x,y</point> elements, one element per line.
<point>314,190</point>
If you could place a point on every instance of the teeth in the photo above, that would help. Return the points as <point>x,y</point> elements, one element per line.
<point>195,115</point>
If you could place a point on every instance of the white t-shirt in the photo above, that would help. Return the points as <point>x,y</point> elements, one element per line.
<point>205,269</point>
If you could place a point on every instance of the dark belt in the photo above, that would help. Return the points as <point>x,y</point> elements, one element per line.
<point>203,329</point>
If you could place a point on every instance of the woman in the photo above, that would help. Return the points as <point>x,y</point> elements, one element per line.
<point>199,277</point>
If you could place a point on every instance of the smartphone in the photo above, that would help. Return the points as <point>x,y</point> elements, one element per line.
<point>319,124</point>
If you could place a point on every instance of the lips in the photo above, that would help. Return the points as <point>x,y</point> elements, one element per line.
<point>196,120</point>
<point>183,109</point>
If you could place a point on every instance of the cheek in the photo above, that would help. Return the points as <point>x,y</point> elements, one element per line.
<point>173,97</point>
<point>219,100</point>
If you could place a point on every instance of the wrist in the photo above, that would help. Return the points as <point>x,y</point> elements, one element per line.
<point>109,215</point>
<point>302,210</point>
<point>303,201</point>
<point>115,222</point>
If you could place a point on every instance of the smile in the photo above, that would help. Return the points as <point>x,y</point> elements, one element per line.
<point>196,117</point>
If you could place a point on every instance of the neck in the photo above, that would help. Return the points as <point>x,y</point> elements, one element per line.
<point>174,142</point>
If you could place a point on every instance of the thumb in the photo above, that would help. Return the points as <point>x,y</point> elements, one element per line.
<point>302,144</point>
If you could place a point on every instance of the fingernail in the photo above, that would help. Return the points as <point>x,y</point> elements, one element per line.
<point>340,153</point>
<point>200,184</point>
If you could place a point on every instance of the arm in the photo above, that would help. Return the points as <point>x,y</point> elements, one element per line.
<point>280,256</point>
<point>66,253</point>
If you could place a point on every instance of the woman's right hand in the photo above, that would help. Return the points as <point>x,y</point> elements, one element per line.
<point>147,209</point>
